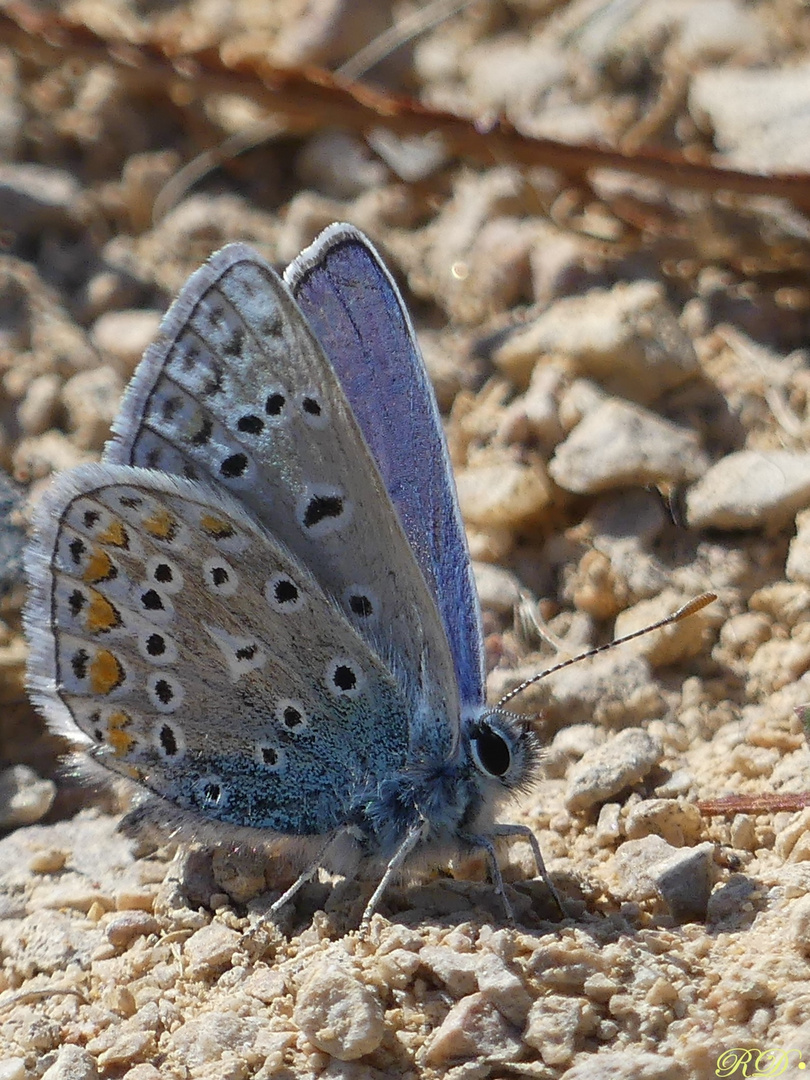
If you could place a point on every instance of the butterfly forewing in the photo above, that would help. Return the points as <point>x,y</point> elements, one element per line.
<point>237,392</point>
<point>181,630</point>
<point>357,313</point>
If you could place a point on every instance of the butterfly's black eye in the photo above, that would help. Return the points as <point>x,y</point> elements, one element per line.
<point>490,751</point>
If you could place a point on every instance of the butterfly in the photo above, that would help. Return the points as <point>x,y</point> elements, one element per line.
<point>259,606</point>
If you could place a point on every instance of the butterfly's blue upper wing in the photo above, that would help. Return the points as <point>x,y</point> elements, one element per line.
<point>355,309</point>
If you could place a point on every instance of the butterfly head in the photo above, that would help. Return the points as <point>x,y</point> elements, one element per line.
<point>503,750</point>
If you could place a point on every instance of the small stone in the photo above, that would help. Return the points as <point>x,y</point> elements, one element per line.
<point>123,336</point>
<point>627,1065</point>
<point>124,928</point>
<point>742,833</point>
<point>37,410</point>
<point>608,825</point>
<point>676,821</point>
<point>758,116</point>
<point>36,197</point>
<point>457,970</point>
<point>144,1071</point>
<point>508,495</point>
<point>72,1063</point>
<point>751,489</point>
<point>498,589</point>
<point>799,925</point>
<point>48,861</point>
<point>606,770</point>
<point>210,950</point>
<point>503,988</point>
<point>474,1028</point>
<point>24,797</point>
<point>685,881</point>
<point>91,399</point>
<point>13,1069</point>
<point>627,338</point>
<point>552,1027</point>
<point>618,444</point>
<point>798,560</point>
<point>671,644</point>
<point>683,877</point>
<point>338,1013</point>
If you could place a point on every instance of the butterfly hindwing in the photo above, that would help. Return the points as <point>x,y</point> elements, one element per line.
<point>355,309</point>
<point>196,655</point>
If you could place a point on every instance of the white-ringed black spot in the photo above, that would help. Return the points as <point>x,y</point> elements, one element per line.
<point>233,466</point>
<point>152,459</point>
<point>164,573</point>
<point>130,502</point>
<point>250,424</point>
<point>361,605</point>
<point>210,793</point>
<point>323,510</point>
<point>247,652</point>
<point>313,410</point>
<point>291,715</point>
<point>155,645</point>
<point>272,757</point>
<point>168,741</point>
<point>275,404</point>
<point>151,600</point>
<point>283,594</point>
<point>165,692</point>
<point>91,518</point>
<point>344,678</point>
<point>219,576</point>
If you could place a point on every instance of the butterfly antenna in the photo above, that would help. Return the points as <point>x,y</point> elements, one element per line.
<point>697,604</point>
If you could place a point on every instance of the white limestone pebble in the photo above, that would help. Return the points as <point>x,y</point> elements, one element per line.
<point>798,560</point>
<point>24,796</point>
<point>751,489</point>
<point>627,1065</point>
<point>72,1063</point>
<point>210,949</point>
<point>337,1012</point>
<point>618,444</point>
<point>682,877</point>
<point>607,769</point>
<point>123,336</point>
<point>552,1027</point>
<point>627,337</point>
<point>474,1028</point>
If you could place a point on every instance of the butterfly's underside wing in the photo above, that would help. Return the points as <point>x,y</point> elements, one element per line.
<point>238,393</point>
<point>197,656</point>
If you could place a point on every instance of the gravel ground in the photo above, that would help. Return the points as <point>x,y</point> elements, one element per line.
<point>626,392</point>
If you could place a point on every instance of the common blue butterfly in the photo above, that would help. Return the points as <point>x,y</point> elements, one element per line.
<point>259,605</point>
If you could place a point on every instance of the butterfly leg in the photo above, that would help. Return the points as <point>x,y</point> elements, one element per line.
<point>528,835</point>
<point>395,863</point>
<point>306,875</point>
<point>486,845</point>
